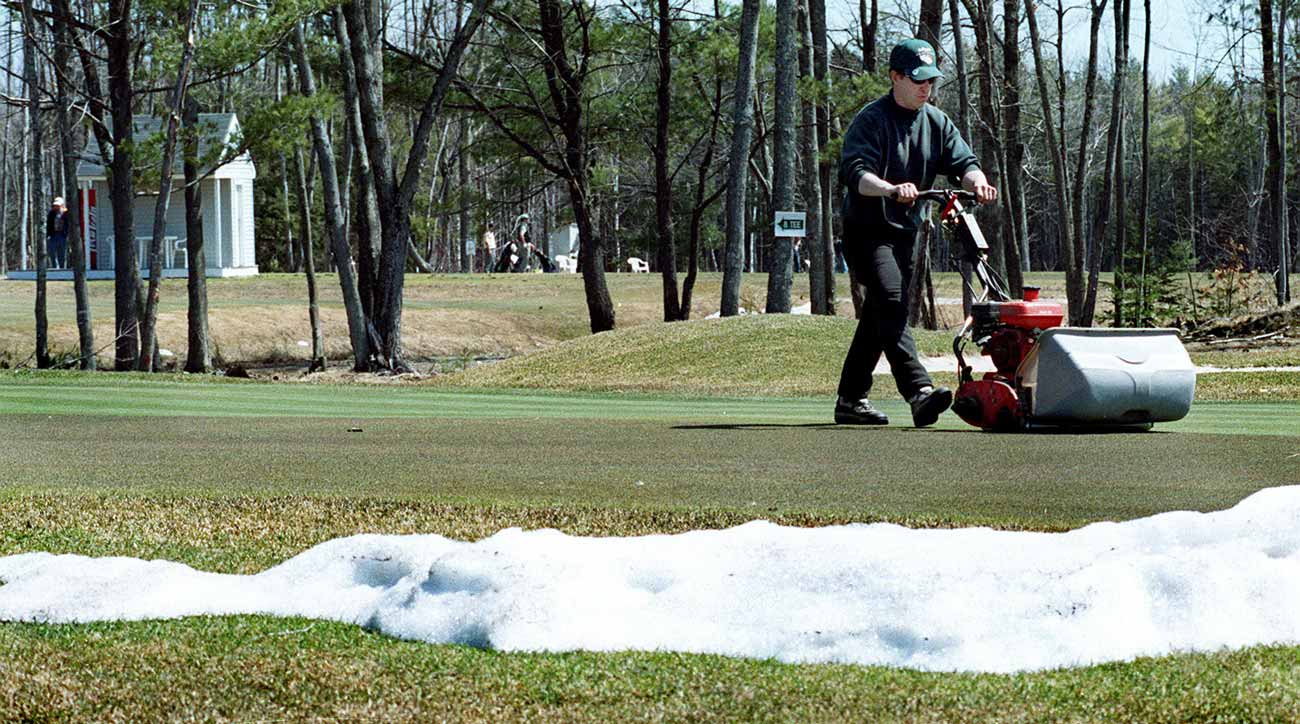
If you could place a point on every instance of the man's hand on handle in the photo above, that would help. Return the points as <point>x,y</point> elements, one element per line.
<point>905,193</point>
<point>985,193</point>
<point>975,182</point>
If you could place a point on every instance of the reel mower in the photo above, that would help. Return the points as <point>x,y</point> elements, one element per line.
<point>1046,375</point>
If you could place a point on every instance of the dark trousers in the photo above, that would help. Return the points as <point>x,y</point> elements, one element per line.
<point>884,267</point>
<point>57,247</point>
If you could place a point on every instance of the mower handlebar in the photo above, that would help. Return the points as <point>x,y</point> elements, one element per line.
<point>945,194</point>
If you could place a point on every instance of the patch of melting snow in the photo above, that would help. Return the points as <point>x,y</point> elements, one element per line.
<point>971,599</point>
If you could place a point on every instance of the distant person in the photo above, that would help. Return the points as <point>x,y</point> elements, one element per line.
<point>505,260</point>
<point>56,233</point>
<point>489,252</point>
<point>895,146</point>
<point>523,244</point>
<point>514,253</point>
<point>840,266</point>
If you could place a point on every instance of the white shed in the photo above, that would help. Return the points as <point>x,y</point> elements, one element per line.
<point>227,208</point>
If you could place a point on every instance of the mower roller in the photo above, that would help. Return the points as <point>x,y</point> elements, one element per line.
<point>1046,375</point>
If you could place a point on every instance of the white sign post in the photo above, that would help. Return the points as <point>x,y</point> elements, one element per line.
<point>791,223</point>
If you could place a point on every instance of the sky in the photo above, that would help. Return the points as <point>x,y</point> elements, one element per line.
<point>969,599</point>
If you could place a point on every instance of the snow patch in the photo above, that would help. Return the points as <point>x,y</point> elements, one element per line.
<point>969,599</point>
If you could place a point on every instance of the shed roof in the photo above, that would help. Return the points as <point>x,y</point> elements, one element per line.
<point>220,130</point>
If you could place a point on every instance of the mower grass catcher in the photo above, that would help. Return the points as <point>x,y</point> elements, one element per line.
<point>1047,375</point>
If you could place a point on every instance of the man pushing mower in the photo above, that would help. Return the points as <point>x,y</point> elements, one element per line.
<point>896,146</point>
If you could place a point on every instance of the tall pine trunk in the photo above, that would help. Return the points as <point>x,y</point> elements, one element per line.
<point>814,242</point>
<point>1121,188</point>
<point>76,243</point>
<point>738,160</point>
<point>1081,292</point>
<point>126,262</point>
<point>1144,194</point>
<point>365,214</point>
<point>32,84</point>
<point>779,270</point>
<point>198,359</point>
<point>1014,199</point>
<point>309,262</point>
<point>826,173</point>
<point>334,217</point>
<point>1060,183</point>
<point>148,335</point>
<point>667,256</point>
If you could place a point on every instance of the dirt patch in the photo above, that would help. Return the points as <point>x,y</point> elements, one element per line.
<point>280,334</point>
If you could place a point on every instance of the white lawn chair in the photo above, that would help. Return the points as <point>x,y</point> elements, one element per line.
<point>566,263</point>
<point>639,266</point>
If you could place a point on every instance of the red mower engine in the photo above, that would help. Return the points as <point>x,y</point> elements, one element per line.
<point>1005,332</point>
<point>1046,375</point>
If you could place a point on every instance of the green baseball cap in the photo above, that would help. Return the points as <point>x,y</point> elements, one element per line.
<point>914,58</point>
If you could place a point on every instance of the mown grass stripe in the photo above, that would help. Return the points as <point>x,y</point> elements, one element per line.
<point>63,396</point>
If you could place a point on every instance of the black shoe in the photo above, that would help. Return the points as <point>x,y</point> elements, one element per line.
<point>928,405</point>
<point>858,412</point>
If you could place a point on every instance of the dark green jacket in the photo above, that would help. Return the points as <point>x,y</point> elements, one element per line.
<point>897,145</point>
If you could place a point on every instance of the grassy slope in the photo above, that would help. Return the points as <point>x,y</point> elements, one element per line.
<point>763,355</point>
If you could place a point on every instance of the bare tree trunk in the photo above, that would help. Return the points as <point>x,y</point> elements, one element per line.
<point>963,122</point>
<point>1056,154</point>
<point>738,162</point>
<point>1113,151</point>
<point>667,255</point>
<point>567,88</point>
<point>870,26</point>
<point>1144,194</point>
<point>703,200</point>
<point>963,82</point>
<point>1281,234</point>
<point>1083,299</point>
<point>365,217</point>
<point>814,242</point>
<point>1004,253</point>
<point>1275,203</point>
<point>149,337</point>
<point>780,273</point>
<point>126,263</point>
<point>198,359</point>
<point>4,191</point>
<point>1014,200</point>
<point>1284,235</point>
<point>32,86</point>
<point>1121,192</point>
<point>821,71</point>
<point>309,263</point>
<point>395,195</point>
<point>334,216</point>
<point>76,244</point>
